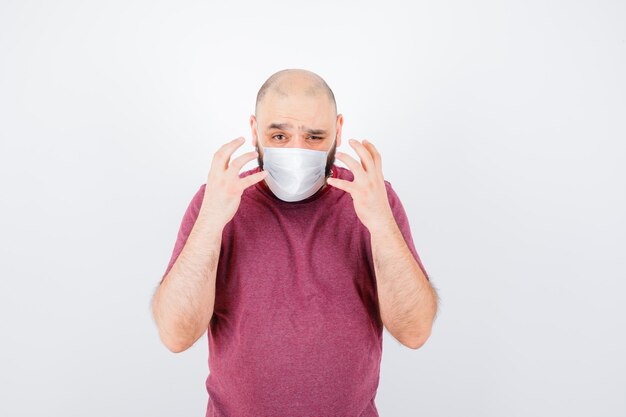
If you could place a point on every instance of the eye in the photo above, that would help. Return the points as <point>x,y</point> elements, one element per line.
<point>278,135</point>
<point>316,137</point>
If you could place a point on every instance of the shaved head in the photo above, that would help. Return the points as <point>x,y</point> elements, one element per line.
<point>293,82</point>
<point>295,108</point>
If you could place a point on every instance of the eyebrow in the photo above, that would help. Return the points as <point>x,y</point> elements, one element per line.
<point>287,126</point>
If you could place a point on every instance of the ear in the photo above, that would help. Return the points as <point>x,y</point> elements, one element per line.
<point>253,128</point>
<point>339,127</point>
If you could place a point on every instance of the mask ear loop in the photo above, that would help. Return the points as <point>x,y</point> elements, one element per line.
<point>330,174</point>
<point>258,151</point>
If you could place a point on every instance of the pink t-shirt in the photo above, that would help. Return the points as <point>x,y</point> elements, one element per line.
<point>296,330</point>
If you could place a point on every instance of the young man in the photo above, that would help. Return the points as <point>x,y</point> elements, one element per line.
<point>294,266</point>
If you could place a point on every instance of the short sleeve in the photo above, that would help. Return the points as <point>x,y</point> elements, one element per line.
<point>403,223</point>
<point>186,225</point>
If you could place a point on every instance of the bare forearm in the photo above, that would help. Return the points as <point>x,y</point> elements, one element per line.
<point>183,303</point>
<point>407,301</point>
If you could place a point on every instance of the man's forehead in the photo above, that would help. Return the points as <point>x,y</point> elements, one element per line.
<point>300,116</point>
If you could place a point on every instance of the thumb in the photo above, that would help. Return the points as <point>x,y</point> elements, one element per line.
<point>254,178</point>
<point>337,183</point>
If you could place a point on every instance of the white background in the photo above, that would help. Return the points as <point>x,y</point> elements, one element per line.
<point>501,126</point>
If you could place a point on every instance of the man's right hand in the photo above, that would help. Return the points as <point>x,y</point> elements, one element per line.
<point>224,186</point>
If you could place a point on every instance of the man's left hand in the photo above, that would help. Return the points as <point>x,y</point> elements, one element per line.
<point>368,190</point>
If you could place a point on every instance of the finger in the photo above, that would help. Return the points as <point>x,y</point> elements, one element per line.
<point>238,163</point>
<point>375,154</point>
<point>344,185</point>
<point>364,154</point>
<point>223,154</point>
<point>352,163</point>
<point>253,179</point>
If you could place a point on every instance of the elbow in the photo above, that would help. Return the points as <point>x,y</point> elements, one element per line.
<point>175,346</point>
<point>172,343</point>
<point>181,342</point>
<point>177,335</point>
<point>417,341</point>
<point>414,344</point>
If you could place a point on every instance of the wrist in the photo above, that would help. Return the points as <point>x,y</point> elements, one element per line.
<point>210,219</point>
<point>386,225</point>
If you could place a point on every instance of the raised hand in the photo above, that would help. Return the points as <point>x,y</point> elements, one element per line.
<point>368,190</point>
<point>224,186</point>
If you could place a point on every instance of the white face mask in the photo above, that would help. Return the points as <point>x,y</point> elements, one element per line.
<point>294,173</point>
